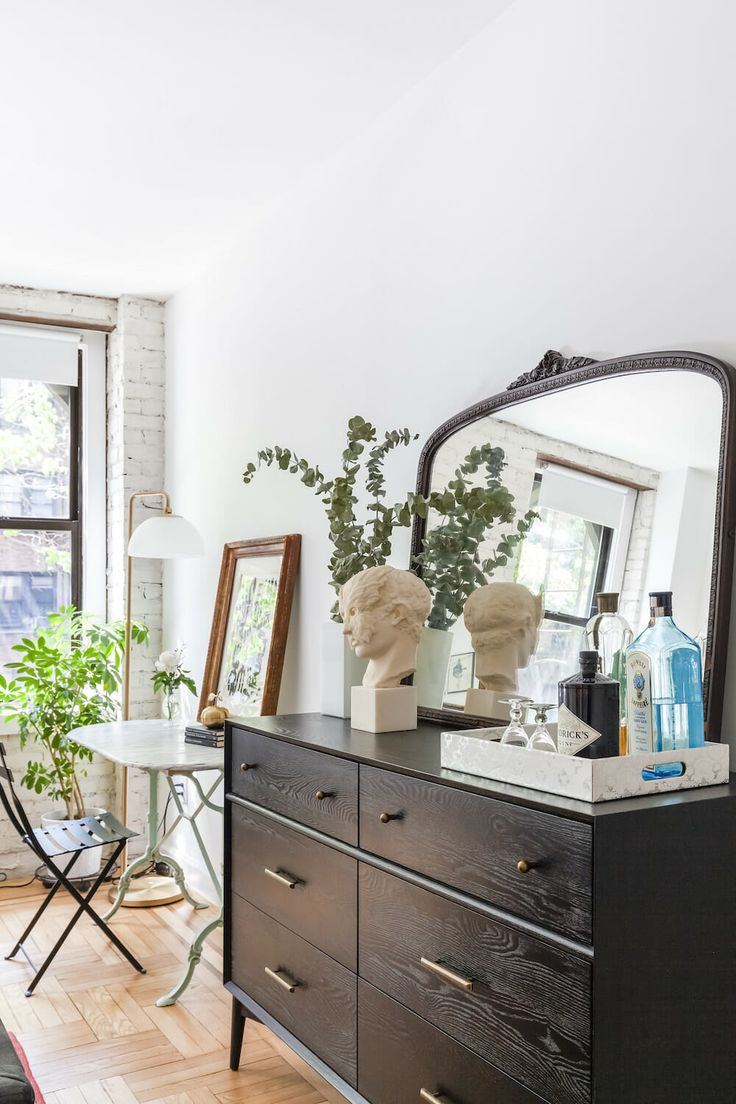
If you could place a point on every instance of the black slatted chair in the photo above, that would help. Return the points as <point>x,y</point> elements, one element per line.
<point>50,844</point>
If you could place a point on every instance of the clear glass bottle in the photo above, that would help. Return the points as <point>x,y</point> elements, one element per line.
<point>664,675</point>
<point>610,634</point>
<point>593,700</point>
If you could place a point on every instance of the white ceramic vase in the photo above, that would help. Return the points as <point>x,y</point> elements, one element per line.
<point>88,863</point>
<point>341,670</point>
<point>433,658</point>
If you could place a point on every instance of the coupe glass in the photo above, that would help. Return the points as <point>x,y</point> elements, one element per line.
<point>540,739</point>
<point>515,733</point>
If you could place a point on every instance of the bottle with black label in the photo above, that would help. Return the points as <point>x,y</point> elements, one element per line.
<point>588,717</point>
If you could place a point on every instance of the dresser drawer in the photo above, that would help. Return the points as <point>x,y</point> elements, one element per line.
<point>309,786</point>
<point>305,885</point>
<point>516,1001</point>
<point>399,1055</point>
<point>315,998</point>
<point>476,844</point>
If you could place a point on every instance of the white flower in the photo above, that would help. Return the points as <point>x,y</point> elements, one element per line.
<point>168,661</point>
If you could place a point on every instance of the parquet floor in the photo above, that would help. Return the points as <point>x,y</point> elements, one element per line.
<point>93,1033</point>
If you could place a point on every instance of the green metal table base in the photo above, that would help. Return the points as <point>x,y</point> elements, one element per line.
<point>154,853</point>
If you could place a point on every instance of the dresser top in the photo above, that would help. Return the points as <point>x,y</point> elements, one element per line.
<point>418,753</point>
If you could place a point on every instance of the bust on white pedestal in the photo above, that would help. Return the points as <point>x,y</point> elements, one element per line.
<point>503,621</point>
<point>383,610</point>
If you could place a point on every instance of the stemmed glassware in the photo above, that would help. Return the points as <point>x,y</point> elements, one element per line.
<point>515,734</point>
<point>540,739</point>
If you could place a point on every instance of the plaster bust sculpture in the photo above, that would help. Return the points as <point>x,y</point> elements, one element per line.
<point>503,620</point>
<point>383,611</point>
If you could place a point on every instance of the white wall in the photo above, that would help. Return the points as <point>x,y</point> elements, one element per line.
<point>565,181</point>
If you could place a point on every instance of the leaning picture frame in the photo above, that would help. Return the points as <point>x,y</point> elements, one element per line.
<point>250,625</point>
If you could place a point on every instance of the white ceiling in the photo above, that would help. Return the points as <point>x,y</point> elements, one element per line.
<point>662,421</point>
<point>139,137</point>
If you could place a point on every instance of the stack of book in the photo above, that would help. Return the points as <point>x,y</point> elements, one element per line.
<point>208,737</point>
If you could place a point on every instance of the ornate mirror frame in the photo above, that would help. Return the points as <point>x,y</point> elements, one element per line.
<point>556,372</point>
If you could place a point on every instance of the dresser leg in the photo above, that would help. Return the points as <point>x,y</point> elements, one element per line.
<point>237,1028</point>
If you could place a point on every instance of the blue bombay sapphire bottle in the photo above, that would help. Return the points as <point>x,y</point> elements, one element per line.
<point>664,676</point>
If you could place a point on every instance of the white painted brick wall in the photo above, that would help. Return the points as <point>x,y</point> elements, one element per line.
<point>135,461</point>
<point>135,419</point>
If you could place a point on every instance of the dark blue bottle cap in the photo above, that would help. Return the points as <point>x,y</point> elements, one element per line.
<point>660,603</point>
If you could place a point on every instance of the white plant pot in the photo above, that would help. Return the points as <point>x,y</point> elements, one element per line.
<point>341,671</point>
<point>433,658</point>
<point>88,863</point>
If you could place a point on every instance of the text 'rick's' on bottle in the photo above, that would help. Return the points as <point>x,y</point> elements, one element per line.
<point>664,684</point>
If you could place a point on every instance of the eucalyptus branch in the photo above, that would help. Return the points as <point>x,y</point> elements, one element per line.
<point>356,544</point>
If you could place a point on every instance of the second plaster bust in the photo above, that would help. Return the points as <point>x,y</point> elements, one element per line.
<point>383,610</point>
<point>503,620</point>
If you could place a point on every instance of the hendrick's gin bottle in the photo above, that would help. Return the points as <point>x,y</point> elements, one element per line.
<point>588,717</point>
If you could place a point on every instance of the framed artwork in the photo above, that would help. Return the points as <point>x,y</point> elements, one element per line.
<point>250,625</point>
<point>460,671</point>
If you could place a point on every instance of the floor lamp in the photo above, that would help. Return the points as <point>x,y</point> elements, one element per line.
<point>166,536</point>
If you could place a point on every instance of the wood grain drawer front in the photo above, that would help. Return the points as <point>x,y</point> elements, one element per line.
<point>534,864</point>
<point>306,991</point>
<point>305,885</point>
<point>514,1000</point>
<point>399,1055</point>
<point>309,786</point>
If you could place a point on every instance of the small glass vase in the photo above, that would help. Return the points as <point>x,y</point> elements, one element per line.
<point>171,704</point>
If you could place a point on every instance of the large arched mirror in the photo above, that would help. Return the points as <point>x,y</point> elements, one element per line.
<point>618,478</point>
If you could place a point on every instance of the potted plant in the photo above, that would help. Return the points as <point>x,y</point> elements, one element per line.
<point>357,542</point>
<point>454,560</point>
<point>67,676</point>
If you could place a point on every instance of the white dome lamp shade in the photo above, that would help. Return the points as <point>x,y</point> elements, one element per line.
<point>165,537</point>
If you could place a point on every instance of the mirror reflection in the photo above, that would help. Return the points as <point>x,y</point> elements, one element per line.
<point>613,486</point>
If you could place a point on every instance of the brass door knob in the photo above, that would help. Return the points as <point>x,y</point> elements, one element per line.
<point>248,766</point>
<point>523,866</point>
<point>386,817</point>
<point>322,794</point>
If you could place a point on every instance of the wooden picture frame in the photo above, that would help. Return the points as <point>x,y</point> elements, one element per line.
<point>234,554</point>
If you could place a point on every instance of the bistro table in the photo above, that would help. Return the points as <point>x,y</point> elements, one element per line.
<point>159,748</point>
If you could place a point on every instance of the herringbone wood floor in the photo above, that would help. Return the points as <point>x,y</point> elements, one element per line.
<point>93,1033</point>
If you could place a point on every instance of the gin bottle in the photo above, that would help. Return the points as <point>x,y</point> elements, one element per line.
<point>664,678</point>
<point>610,635</point>
<point>588,717</point>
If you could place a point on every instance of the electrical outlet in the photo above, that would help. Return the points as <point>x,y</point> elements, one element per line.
<point>180,788</point>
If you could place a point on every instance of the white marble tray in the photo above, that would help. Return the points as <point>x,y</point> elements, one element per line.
<point>477,751</point>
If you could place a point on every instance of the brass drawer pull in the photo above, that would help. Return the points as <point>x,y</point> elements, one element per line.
<point>433,1098</point>
<point>447,974</point>
<point>386,817</point>
<point>248,766</point>
<point>281,876</point>
<point>322,794</point>
<point>282,978</point>
<point>523,866</point>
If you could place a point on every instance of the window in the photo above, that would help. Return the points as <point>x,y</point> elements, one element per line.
<point>575,549</point>
<point>40,479</point>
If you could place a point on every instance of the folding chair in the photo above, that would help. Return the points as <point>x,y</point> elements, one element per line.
<point>49,844</point>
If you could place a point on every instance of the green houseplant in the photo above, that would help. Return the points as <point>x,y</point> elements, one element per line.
<point>457,556</point>
<point>452,562</point>
<point>356,544</point>
<point>66,676</point>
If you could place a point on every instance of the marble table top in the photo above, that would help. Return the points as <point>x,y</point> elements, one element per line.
<point>150,745</point>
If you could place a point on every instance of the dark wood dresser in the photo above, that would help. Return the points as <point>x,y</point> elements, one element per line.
<point>419,935</point>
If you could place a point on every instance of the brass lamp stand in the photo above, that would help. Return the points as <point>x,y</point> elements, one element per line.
<point>166,536</point>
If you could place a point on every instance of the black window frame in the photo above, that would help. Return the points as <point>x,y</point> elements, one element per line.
<point>604,555</point>
<point>73,523</point>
